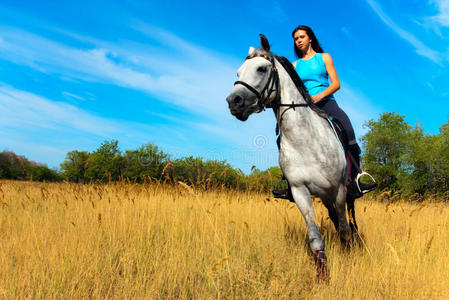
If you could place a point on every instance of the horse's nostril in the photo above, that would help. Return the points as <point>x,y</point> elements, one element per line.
<point>235,100</point>
<point>238,100</point>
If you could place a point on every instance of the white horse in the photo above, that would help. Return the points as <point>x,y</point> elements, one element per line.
<point>311,156</point>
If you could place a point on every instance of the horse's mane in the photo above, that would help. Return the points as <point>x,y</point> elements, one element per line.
<point>295,78</point>
<point>286,64</point>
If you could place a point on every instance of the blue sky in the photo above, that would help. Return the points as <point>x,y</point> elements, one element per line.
<point>76,73</point>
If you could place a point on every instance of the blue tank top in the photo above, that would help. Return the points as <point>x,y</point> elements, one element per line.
<point>314,74</point>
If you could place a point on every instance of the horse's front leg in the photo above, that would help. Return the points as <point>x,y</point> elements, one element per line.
<point>303,200</point>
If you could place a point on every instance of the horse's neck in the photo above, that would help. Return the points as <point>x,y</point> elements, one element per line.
<point>290,119</point>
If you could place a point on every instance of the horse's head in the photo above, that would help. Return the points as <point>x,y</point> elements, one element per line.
<point>257,81</point>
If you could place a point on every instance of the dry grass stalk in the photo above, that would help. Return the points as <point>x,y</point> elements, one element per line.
<point>153,241</point>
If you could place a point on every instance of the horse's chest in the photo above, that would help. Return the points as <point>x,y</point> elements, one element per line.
<point>289,158</point>
<point>306,164</point>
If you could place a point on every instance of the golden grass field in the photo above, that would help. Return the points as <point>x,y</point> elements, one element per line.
<point>156,241</point>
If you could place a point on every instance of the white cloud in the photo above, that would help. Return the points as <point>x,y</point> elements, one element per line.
<point>419,46</point>
<point>24,110</point>
<point>190,76</point>
<point>71,96</point>
<point>442,17</point>
<point>175,70</point>
<point>44,130</point>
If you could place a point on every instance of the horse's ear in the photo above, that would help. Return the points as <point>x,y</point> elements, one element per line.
<point>264,42</point>
<point>251,50</point>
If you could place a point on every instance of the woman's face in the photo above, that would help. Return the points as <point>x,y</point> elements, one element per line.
<point>302,40</point>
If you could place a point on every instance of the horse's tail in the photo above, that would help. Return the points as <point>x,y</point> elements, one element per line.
<point>351,212</point>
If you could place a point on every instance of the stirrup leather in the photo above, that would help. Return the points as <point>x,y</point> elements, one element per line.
<point>357,181</point>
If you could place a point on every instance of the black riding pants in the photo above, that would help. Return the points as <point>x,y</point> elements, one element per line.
<point>332,108</point>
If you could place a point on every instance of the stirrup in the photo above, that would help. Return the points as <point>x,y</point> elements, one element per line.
<point>357,182</point>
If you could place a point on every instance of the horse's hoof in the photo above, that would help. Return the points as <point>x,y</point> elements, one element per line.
<point>321,266</point>
<point>345,235</point>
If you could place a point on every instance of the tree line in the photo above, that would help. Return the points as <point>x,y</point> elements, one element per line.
<point>13,166</point>
<point>406,159</point>
<point>145,164</point>
<point>148,163</point>
<point>402,158</point>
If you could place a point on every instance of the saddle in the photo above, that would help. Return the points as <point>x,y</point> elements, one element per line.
<point>353,163</point>
<point>339,132</point>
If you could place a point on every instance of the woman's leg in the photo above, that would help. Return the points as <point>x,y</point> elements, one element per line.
<point>332,108</point>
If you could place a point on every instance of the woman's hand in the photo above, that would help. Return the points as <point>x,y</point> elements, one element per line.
<point>317,98</point>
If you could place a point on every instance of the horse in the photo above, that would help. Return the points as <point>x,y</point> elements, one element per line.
<point>310,155</point>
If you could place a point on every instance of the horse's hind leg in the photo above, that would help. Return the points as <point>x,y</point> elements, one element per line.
<point>331,210</point>
<point>351,212</point>
<point>303,200</point>
<point>343,227</point>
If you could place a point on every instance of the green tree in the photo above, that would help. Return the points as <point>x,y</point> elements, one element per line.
<point>74,166</point>
<point>13,166</point>
<point>428,160</point>
<point>146,161</point>
<point>220,173</point>
<point>43,173</point>
<point>5,172</point>
<point>419,174</point>
<point>386,146</point>
<point>442,159</point>
<point>106,163</point>
<point>264,180</point>
<point>210,173</point>
<point>188,169</point>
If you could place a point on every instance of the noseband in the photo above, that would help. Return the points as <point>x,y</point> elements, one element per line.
<point>271,85</point>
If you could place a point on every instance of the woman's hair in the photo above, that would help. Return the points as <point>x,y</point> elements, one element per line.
<point>315,44</point>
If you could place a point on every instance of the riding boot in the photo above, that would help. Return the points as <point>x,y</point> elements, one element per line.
<point>284,194</point>
<point>358,188</point>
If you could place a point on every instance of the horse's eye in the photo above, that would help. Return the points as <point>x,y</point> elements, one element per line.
<point>262,69</point>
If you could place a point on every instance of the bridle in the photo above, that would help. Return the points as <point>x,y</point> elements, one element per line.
<point>272,85</point>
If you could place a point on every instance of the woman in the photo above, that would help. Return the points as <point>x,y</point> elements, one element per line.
<point>315,68</point>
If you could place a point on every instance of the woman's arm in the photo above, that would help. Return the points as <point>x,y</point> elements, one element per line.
<point>335,82</point>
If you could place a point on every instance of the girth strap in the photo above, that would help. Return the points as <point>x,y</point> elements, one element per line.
<point>293,105</point>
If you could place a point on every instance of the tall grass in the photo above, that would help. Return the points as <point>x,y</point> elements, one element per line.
<point>159,241</point>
